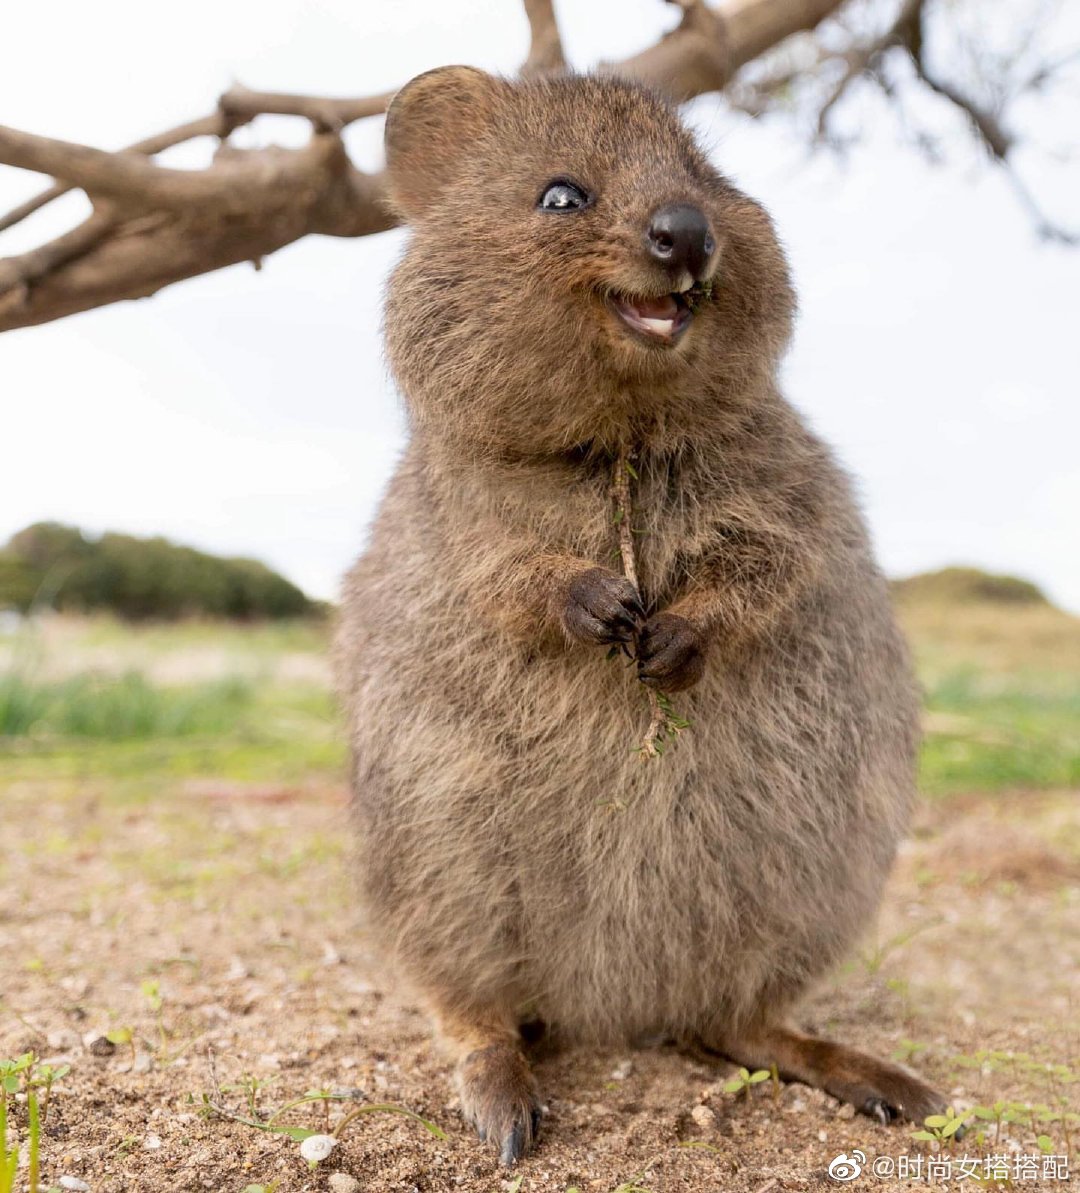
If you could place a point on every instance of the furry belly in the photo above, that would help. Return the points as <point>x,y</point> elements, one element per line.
<point>519,850</point>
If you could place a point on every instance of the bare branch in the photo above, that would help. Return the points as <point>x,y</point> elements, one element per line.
<point>1045,227</point>
<point>691,59</point>
<point>131,254</point>
<point>545,45</point>
<point>18,214</point>
<point>985,123</point>
<point>153,226</point>
<point>860,59</point>
<point>754,26</point>
<point>239,105</point>
<point>215,125</point>
<point>857,62</point>
<point>19,273</point>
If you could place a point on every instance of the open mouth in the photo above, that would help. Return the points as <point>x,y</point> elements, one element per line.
<point>662,319</point>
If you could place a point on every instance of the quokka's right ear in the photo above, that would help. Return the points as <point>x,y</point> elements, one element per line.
<point>429,124</point>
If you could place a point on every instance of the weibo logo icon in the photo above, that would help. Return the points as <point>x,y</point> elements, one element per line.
<point>847,1168</point>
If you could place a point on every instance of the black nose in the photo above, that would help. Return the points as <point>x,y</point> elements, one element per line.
<point>679,237</point>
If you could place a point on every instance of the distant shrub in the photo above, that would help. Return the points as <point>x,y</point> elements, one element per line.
<point>19,582</point>
<point>961,585</point>
<point>60,567</point>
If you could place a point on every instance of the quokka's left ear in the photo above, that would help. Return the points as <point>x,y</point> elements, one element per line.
<point>430,124</point>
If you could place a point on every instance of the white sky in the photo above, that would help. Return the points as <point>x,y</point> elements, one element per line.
<point>251,413</point>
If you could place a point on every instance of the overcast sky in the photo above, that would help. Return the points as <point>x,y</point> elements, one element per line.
<point>251,413</point>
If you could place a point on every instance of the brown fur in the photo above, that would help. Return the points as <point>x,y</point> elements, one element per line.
<point>493,745</point>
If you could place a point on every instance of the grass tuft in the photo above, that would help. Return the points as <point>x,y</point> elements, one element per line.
<point>120,708</point>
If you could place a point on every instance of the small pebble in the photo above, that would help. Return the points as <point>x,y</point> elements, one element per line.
<point>64,1040</point>
<point>622,1070</point>
<point>100,1046</point>
<point>152,1142</point>
<point>317,1147</point>
<point>74,1184</point>
<point>342,1182</point>
<point>703,1116</point>
<point>237,971</point>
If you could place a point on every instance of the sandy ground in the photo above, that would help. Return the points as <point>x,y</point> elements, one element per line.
<point>235,899</point>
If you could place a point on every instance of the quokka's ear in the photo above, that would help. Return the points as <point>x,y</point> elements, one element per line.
<point>429,124</point>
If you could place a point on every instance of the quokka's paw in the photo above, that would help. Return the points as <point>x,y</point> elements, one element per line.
<point>670,653</point>
<point>888,1093</point>
<point>602,607</point>
<point>499,1097</point>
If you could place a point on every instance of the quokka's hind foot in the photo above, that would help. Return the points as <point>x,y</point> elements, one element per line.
<point>497,1089</point>
<point>499,1097</point>
<point>879,1089</point>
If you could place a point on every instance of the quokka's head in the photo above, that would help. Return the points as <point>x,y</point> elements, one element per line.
<point>575,260</point>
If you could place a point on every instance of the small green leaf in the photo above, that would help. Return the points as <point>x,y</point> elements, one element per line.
<point>297,1133</point>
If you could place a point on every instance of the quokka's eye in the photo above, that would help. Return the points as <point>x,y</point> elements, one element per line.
<point>561,195</point>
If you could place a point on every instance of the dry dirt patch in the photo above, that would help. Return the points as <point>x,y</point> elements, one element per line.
<point>235,901</point>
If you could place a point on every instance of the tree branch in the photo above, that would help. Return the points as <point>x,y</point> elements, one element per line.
<point>215,125</point>
<point>129,253</point>
<point>152,226</point>
<point>545,44</point>
<point>240,105</point>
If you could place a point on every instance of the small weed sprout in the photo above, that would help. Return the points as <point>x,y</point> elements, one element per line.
<point>907,1050</point>
<point>940,1128</point>
<point>874,958</point>
<point>315,1145</point>
<point>15,1073</point>
<point>44,1077</point>
<point>744,1079</point>
<point>249,1085</point>
<point>9,1160</point>
<point>121,1036</point>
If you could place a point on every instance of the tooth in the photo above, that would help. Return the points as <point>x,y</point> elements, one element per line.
<point>686,282</point>
<point>660,326</point>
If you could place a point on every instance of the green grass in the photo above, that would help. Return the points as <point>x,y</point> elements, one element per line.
<point>120,708</point>
<point>983,734</point>
<point>1002,695</point>
<point>90,698</point>
<point>93,698</point>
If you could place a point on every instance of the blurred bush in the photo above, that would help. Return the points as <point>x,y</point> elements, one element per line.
<point>959,585</point>
<point>55,566</point>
